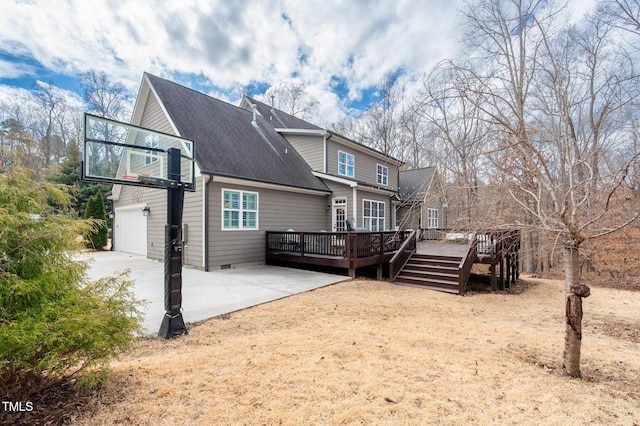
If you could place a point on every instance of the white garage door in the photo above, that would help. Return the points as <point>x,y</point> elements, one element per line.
<point>131,230</point>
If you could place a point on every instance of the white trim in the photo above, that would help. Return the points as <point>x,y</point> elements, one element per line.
<point>354,184</point>
<point>384,211</point>
<point>319,132</point>
<point>204,218</point>
<point>346,165</point>
<point>358,147</point>
<point>138,110</point>
<point>325,155</point>
<point>115,192</point>
<point>355,207</point>
<point>335,205</point>
<point>437,218</point>
<point>377,174</point>
<point>240,228</point>
<point>337,179</point>
<point>266,185</point>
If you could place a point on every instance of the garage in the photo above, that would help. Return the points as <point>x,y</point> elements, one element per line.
<point>131,230</point>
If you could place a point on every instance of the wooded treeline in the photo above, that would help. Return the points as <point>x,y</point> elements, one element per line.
<point>535,125</point>
<point>45,131</point>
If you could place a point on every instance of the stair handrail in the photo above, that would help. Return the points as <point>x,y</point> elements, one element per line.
<point>401,256</point>
<point>464,268</point>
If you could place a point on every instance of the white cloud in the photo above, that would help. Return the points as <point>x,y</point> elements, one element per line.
<point>233,43</point>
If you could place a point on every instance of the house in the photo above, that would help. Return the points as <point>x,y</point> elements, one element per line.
<point>423,205</point>
<point>258,169</point>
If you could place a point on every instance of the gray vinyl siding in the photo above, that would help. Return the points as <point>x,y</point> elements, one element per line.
<point>154,118</point>
<point>277,211</point>
<point>192,217</point>
<point>310,148</point>
<point>365,169</point>
<point>156,199</point>
<point>409,216</point>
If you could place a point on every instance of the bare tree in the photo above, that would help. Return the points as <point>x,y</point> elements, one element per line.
<point>497,77</point>
<point>460,134</point>
<point>383,119</point>
<point>586,89</point>
<point>557,95</point>
<point>48,109</point>
<point>104,97</point>
<point>293,98</point>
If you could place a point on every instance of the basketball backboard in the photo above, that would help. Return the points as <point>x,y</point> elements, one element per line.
<point>121,153</point>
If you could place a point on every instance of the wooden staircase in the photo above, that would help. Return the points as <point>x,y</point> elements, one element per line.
<point>434,272</point>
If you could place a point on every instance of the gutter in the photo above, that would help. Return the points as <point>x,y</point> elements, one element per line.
<point>205,243</point>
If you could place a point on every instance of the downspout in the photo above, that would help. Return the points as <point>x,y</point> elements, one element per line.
<point>205,243</point>
<point>326,151</point>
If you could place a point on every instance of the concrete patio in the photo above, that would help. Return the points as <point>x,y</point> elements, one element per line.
<point>207,294</point>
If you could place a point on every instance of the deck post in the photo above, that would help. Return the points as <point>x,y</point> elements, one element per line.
<point>301,236</point>
<point>352,248</point>
<point>501,259</point>
<point>492,270</point>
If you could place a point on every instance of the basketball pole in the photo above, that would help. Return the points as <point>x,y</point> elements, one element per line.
<point>172,322</point>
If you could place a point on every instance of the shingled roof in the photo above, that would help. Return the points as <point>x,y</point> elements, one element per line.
<point>280,119</point>
<point>226,142</point>
<point>415,183</point>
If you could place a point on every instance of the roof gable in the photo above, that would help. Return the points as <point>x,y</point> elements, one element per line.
<point>415,184</point>
<point>227,144</point>
<point>281,120</point>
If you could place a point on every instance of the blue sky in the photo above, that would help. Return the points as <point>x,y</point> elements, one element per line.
<point>339,49</point>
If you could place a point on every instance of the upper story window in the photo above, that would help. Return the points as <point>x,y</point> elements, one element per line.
<point>382,175</point>
<point>239,209</point>
<point>151,141</point>
<point>346,164</point>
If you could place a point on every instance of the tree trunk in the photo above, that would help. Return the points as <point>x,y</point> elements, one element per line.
<point>574,292</point>
<point>529,249</point>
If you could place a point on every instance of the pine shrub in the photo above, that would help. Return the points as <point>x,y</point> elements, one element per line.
<point>96,237</point>
<point>54,323</point>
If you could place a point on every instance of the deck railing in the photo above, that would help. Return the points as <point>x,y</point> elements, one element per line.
<point>336,244</point>
<point>402,256</point>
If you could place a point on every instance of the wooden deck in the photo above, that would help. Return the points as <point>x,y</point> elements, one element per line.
<point>442,248</point>
<point>346,250</point>
<point>441,261</point>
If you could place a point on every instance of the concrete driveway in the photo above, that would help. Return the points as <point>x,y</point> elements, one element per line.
<point>207,294</point>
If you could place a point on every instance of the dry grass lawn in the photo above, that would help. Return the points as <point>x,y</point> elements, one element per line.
<point>369,352</point>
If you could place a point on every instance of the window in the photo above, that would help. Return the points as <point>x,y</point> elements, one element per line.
<point>239,210</point>
<point>383,175</point>
<point>432,218</point>
<point>345,164</point>
<point>151,141</point>
<point>373,215</point>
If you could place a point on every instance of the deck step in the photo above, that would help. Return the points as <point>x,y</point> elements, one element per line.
<point>428,287</point>
<point>452,262</point>
<point>433,272</point>
<point>432,284</point>
<point>426,267</point>
<point>410,273</point>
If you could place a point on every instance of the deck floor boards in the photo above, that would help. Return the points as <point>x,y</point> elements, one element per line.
<point>442,248</point>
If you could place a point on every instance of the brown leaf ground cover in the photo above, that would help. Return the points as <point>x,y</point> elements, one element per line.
<point>369,352</point>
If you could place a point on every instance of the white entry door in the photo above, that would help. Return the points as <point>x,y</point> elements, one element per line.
<point>130,230</point>
<point>339,216</point>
